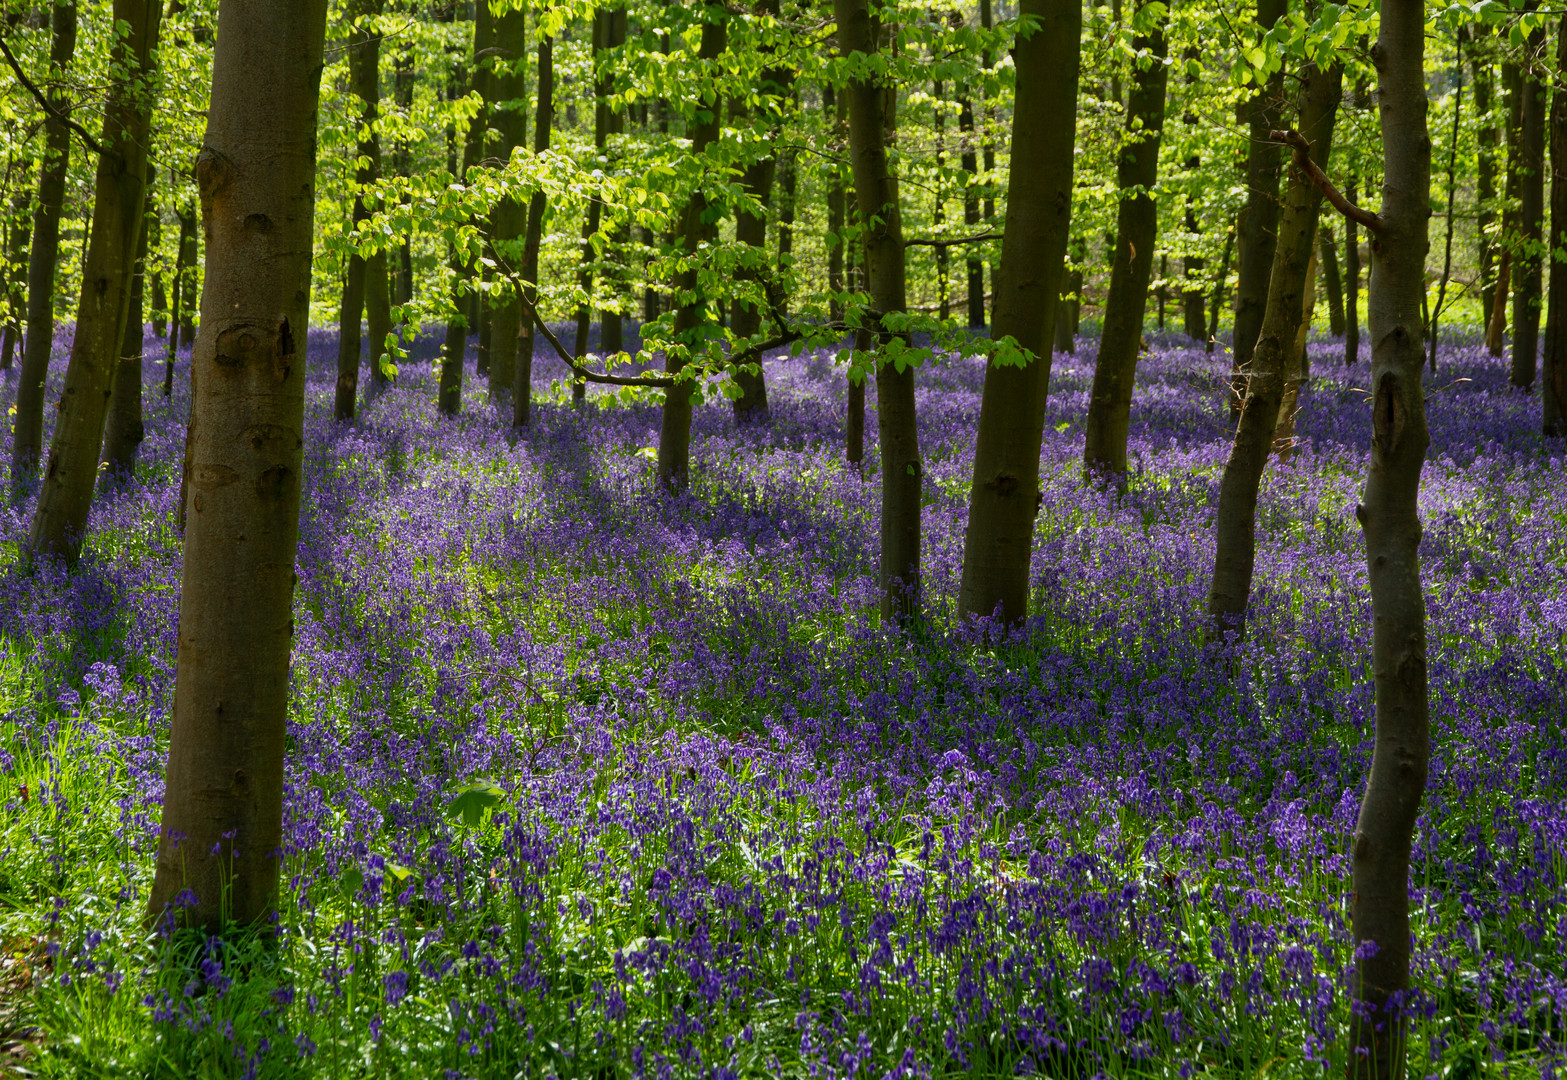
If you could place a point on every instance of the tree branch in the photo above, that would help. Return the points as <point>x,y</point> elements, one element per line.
<point>1302,148</point>
<point>657,382</point>
<point>49,107</point>
<point>981,238</point>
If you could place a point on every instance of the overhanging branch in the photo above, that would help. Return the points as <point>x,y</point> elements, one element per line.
<point>1296,141</point>
<point>48,106</point>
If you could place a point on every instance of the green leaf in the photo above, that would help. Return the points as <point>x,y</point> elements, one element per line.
<point>472,800</point>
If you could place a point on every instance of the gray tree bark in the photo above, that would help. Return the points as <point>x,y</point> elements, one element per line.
<point>1527,266</point>
<point>1137,222</point>
<point>1004,496</point>
<point>223,799</point>
<point>71,473</point>
<point>1257,234</point>
<point>872,110</point>
<point>1267,375</point>
<point>1554,376</point>
<point>1390,518</point>
<point>28,428</point>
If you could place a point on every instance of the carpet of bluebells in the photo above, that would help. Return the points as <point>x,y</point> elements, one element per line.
<point>589,780</point>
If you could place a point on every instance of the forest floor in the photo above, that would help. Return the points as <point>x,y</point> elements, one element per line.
<point>587,780</point>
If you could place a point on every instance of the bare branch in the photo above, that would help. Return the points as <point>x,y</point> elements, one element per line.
<point>1302,148</point>
<point>981,238</point>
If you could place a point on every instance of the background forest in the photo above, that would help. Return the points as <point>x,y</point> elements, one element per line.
<point>771,539</point>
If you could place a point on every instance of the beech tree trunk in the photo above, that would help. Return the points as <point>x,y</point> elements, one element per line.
<point>970,161</point>
<point>1332,282</point>
<point>613,122</point>
<point>1137,221</point>
<point>71,473</point>
<point>1004,496</point>
<point>691,318</point>
<point>190,257</point>
<point>1221,283</point>
<point>125,431</point>
<point>872,105</point>
<point>509,122</point>
<point>1351,284</point>
<point>464,293</point>
<point>1554,376</point>
<point>366,284</point>
<point>1527,266</point>
<point>1268,373</point>
<point>28,426</point>
<point>1389,516</point>
<point>837,119</point>
<point>223,800</point>
<point>544,115</point>
<point>18,233</point>
<point>745,318</point>
<point>1496,329</point>
<point>609,31</point>
<point>1485,179</point>
<point>1258,229</point>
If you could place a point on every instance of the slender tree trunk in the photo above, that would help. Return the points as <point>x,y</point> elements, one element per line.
<point>1004,496</point>
<point>1390,518</point>
<point>1193,299</point>
<point>1069,309</point>
<point>1527,268</point>
<point>1258,231</point>
<point>745,318</point>
<point>612,121</point>
<point>155,291</point>
<point>1496,329</point>
<point>837,118</point>
<point>509,220</point>
<point>691,319</point>
<point>402,274</point>
<point>1554,376</point>
<point>970,161</point>
<point>788,200</point>
<point>1332,281</point>
<point>18,233</point>
<point>1137,220</point>
<point>125,431</point>
<point>1351,284</point>
<point>1452,174</point>
<point>1220,287</point>
<point>1235,548</point>
<point>544,117</point>
<point>1298,362</point>
<point>1485,178</point>
<point>190,257</point>
<point>464,292</point>
<point>872,107</point>
<point>28,426</point>
<point>71,474</point>
<point>223,800</point>
<point>359,290</point>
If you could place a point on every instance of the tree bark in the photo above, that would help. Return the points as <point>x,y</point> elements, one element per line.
<point>223,800</point>
<point>872,104</point>
<point>1004,496</point>
<point>612,121</point>
<point>71,473</point>
<point>691,318</point>
<point>1496,329</point>
<point>1257,234</point>
<point>1267,375</point>
<point>970,161</point>
<point>1485,179</point>
<point>1221,284</point>
<point>544,117</point>
<point>1554,376</point>
<point>464,292</point>
<point>1527,267</point>
<point>1389,517</point>
<point>745,318</point>
<point>1332,281</point>
<point>190,257</point>
<point>837,119</point>
<point>1137,221</point>
<point>1351,284</point>
<point>509,122</point>
<point>18,233</point>
<point>359,288</point>
<point>28,427</point>
<point>125,431</point>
